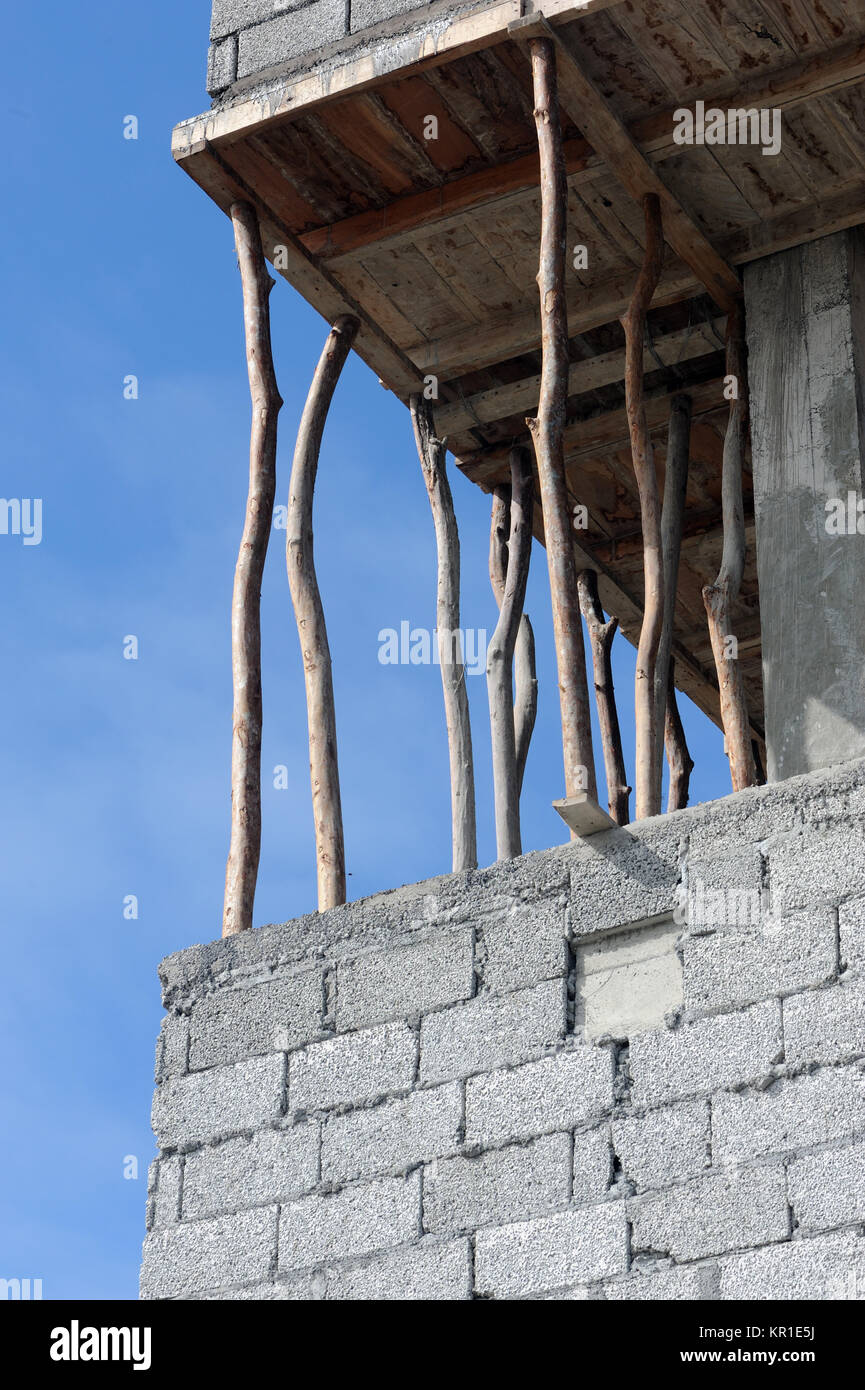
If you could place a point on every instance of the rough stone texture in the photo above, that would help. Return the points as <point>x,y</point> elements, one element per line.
<point>428,1086</point>
<point>267,45</point>
<point>461,1194</point>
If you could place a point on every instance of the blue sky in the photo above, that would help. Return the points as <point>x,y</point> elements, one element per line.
<point>115,774</point>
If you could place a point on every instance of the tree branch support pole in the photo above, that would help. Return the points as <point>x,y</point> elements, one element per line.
<point>547,430</point>
<point>500,659</point>
<point>679,760</point>
<point>601,634</point>
<point>648,798</point>
<point>672,517</point>
<point>432,456</point>
<point>720,597</point>
<point>245,845</point>
<point>309,615</point>
<point>525,674</point>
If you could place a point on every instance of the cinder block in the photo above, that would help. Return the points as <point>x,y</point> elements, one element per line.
<point>627,981</point>
<point>730,968</point>
<point>392,1136</point>
<point>727,1050</point>
<point>828,1189</point>
<point>816,1109</point>
<point>818,1269</point>
<point>172,1047</point>
<point>432,1270</point>
<point>229,15</point>
<point>851,924</point>
<point>405,982</point>
<point>190,1110</point>
<point>367,12</point>
<point>164,1180</point>
<point>725,890</point>
<point>524,946</point>
<point>816,866</point>
<point>270,1167</point>
<point>593,1164</point>
<point>236,1023</point>
<point>712,1214</point>
<point>492,1031</point>
<point>221,64</point>
<point>557,1092</point>
<point>353,1069</point>
<point>664,1146</point>
<point>826,1025</point>
<point>461,1194</point>
<point>290,35</point>
<point>356,1221</point>
<point>622,876</point>
<point>572,1247</point>
<point>676,1284</point>
<point>204,1255</point>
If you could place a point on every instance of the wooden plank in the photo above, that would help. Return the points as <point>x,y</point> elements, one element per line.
<point>606,430</point>
<point>827,74</point>
<point>582,814</point>
<point>603,370</point>
<point>611,139</point>
<point>224,185</point>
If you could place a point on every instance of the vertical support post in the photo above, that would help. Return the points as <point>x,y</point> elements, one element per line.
<point>500,659</point>
<point>244,850</point>
<point>720,596</point>
<point>548,429</point>
<point>648,797</point>
<point>679,760</point>
<point>525,674</point>
<point>432,457</point>
<point>601,634</point>
<point>672,517</point>
<point>309,615</point>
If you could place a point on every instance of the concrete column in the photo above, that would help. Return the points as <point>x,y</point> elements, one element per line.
<point>806,340</point>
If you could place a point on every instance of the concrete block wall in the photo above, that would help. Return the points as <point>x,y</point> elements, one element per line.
<point>399,1099</point>
<point>252,39</point>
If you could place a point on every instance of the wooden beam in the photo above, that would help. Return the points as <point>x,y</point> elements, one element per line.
<point>517,179</point>
<point>587,107</point>
<point>598,434</point>
<point>510,335</point>
<point>214,173</point>
<point>605,369</point>
<point>381,60</point>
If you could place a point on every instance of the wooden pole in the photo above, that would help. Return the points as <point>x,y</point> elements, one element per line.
<point>432,456</point>
<point>648,799</point>
<point>720,597</point>
<point>672,517</point>
<point>601,634</point>
<point>500,659</point>
<point>245,843</point>
<point>525,675</point>
<point>309,615</point>
<point>679,760</point>
<point>548,428</point>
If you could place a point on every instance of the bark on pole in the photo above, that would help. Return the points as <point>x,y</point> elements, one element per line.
<point>245,844</point>
<point>672,517</point>
<point>500,659</point>
<point>432,456</point>
<point>548,427</point>
<point>648,796</point>
<point>720,597</point>
<point>525,675</point>
<point>309,615</point>
<point>601,634</point>
<point>679,760</point>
